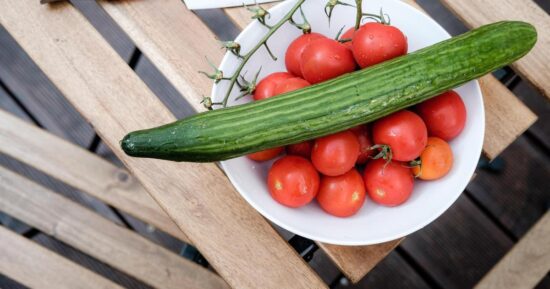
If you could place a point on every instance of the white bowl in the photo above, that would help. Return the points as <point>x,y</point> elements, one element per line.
<point>373,223</point>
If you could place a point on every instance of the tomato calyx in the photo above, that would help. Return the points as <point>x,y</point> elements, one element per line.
<point>382,18</point>
<point>247,87</point>
<point>331,4</point>
<point>416,163</point>
<point>259,13</point>
<point>384,152</point>
<point>305,26</point>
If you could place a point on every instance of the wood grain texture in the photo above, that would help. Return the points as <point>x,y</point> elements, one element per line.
<point>235,239</point>
<point>459,247</point>
<point>526,264</point>
<point>356,261</point>
<point>534,66</point>
<point>82,170</point>
<point>98,237</point>
<point>31,265</point>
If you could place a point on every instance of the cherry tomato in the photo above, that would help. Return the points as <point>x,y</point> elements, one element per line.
<point>404,132</point>
<point>335,154</point>
<point>265,154</point>
<point>436,160</point>
<point>266,86</point>
<point>293,181</point>
<point>302,149</point>
<point>376,42</point>
<point>325,59</point>
<point>444,115</point>
<point>342,196</point>
<point>294,52</point>
<point>365,144</point>
<point>388,184</point>
<point>289,85</point>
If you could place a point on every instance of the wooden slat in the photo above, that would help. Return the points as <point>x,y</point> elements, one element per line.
<point>81,169</point>
<point>356,261</point>
<point>34,266</point>
<point>535,65</point>
<point>526,264</point>
<point>98,237</point>
<point>235,239</point>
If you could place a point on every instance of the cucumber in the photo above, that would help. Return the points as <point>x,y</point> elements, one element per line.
<point>337,104</point>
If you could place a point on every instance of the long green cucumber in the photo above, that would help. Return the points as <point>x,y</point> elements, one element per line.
<point>338,104</point>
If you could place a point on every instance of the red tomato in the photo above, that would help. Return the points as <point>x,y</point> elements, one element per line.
<point>302,149</point>
<point>293,181</point>
<point>294,52</point>
<point>325,59</point>
<point>365,144</point>
<point>444,115</point>
<point>265,154</point>
<point>342,196</point>
<point>388,184</point>
<point>290,84</point>
<point>376,42</point>
<point>266,86</point>
<point>436,160</point>
<point>404,132</point>
<point>335,154</point>
<point>348,35</point>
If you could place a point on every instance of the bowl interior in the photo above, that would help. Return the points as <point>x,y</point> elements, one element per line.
<point>373,223</point>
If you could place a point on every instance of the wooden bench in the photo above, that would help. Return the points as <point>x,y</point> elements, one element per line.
<point>193,202</point>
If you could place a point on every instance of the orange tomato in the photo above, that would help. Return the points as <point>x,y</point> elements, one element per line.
<point>265,154</point>
<point>436,160</point>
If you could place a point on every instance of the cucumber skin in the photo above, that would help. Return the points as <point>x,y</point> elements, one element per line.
<point>337,104</point>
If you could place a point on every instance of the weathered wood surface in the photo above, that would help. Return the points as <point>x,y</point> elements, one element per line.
<point>459,247</point>
<point>534,66</point>
<point>36,267</point>
<point>526,264</point>
<point>82,170</point>
<point>197,196</point>
<point>98,237</point>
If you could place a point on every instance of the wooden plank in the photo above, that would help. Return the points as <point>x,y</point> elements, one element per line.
<point>98,237</point>
<point>82,170</point>
<point>36,267</point>
<point>526,264</point>
<point>98,82</point>
<point>356,261</point>
<point>459,247</point>
<point>534,66</point>
<point>518,194</point>
<point>391,273</point>
<point>540,106</point>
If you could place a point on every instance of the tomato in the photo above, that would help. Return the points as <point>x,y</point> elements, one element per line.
<point>265,154</point>
<point>266,86</point>
<point>444,115</point>
<point>325,59</point>
<point>302,149</point>
<point>365,144</point>
<point>293,181</point>
<point>388,184</point>
<point>290,84</point>
<point>404,132</point>
<point>376,42</point>
<point>436,160</point>
<point>335,154</point>
<point>294,52</point>
<point>342,196</point>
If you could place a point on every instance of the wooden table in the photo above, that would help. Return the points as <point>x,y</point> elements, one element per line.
<point>196,202</point>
